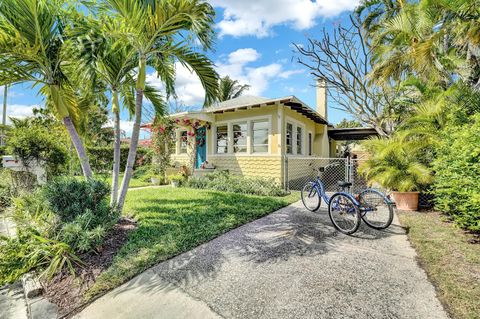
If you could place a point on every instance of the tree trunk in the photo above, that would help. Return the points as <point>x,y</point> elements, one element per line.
<point>116,159</point>
<point>4,114</point>
<point>77,143</point>
<point>132,152</point>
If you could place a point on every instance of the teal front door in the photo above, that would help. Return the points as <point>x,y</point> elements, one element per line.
<point>201,142</point>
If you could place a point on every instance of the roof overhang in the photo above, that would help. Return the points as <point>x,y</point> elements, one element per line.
<point>291,101</point>
<point>352,134</point>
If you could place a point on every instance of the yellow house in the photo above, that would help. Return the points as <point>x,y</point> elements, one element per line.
<point>253,136</point>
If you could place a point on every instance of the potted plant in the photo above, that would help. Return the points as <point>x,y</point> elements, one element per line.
<point>394,164</point>
<point>176,180</point>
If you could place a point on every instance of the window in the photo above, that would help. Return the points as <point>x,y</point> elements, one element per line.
<point>309,144</point>
<point>289,138</point>
<point>299,140</point>
<point>183,142</point>
<point>222,139</point>
<point>240,137</point>
<point>260,136</point>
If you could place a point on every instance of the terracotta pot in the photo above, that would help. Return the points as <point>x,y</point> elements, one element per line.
<point>406,200</point>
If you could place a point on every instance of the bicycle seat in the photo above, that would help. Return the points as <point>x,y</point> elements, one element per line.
<point>344,184</point>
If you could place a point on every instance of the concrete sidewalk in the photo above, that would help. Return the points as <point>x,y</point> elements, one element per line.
<point>290,264</point>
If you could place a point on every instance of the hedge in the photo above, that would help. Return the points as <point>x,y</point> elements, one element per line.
<point>101,158</point>
<point>457,175</point>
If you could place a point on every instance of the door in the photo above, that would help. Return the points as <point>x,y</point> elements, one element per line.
<point>201,143</point>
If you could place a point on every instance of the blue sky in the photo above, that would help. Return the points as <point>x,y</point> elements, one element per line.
<point>253,45</point>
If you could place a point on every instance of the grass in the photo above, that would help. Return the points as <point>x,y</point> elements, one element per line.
<point>450,260</point>
<point>134,182</point>
<point>174,220</point>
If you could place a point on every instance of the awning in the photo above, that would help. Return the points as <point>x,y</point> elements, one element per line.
<point>352,134</point>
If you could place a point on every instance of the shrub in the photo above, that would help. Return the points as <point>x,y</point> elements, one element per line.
<point>101,158</point>
<point>70,197</point>
<point>5,189</point>
<point>394,164</point>
<point>66,217</point>
<point>457,172</point>
<point>223,181</point>
<point>36,143</point>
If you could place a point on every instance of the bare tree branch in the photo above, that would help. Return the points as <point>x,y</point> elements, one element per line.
<point>342,58</point>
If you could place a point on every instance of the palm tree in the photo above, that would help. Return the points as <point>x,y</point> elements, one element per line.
<point>32,41</point>
<point>161,32</point>
<point>106,60</point>
<point>374,13</point>
<point>230,89</point>
<point>4,114</point>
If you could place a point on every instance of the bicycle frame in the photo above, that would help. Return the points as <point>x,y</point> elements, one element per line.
<point>320,188</point>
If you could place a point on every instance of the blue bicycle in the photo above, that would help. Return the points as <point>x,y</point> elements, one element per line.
<point>346,210</point>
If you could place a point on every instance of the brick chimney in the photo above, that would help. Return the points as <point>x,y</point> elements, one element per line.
<point>322,98</point>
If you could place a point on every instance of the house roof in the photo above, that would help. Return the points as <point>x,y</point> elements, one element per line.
<point>248,101</point>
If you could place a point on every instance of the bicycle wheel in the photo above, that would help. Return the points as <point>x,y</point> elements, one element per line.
<point>344,214</point>
<point>376,210</point>
<point>310,197</point>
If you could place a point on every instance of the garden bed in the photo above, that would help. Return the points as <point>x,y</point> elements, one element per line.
<point>67,291</point>
<point>451,258</point>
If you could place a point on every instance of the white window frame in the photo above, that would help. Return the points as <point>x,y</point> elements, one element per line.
<point>310,143</point>
<point>246,137</point>
<point>179,151</point>
<point>269,130</point>
<point>249,121</point>
<point>215,136</point>
<point>295,124</point>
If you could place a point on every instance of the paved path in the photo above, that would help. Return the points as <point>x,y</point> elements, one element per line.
<point>290,264</point>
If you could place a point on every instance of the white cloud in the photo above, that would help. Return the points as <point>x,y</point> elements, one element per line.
<point>254,17</point>
<point>258,78</point>
<point>236,65</point>
<point>187,85</point>
<point>19,111</point>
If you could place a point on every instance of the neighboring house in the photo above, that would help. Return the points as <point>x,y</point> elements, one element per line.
<point>252,136</point>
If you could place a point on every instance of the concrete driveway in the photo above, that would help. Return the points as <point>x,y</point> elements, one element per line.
<point>290,264</point>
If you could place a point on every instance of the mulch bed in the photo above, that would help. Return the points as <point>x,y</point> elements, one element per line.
<point>67,291</point>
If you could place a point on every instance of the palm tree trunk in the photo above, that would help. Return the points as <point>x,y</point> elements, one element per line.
<point>132,152</point>
<point>4,115</point>
<point>116,159</point>
<point>77,143</point>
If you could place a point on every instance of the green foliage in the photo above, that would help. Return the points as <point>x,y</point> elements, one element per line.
<point>163,142</point>
<point>29,251</point>
<point>5,189</point>
<point>348,124</point>
<point>457,172</point>
<point>223,181</point>
<point>101,158</point>
<point>71,197</point>
<point>230,89</point>
<point>66,217</point>
<point>34,143</point>
<point>394,164</point>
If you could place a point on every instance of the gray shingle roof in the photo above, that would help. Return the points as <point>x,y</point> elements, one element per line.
<point>239,101</point>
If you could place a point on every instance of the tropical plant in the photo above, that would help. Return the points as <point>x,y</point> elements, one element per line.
<point>106,59</point>
<point>156,30</point>
<point>457,170</point>
<point>394,164</point>
<point>230,89</point>
<point>32,47</point>
<point>33,144</point>
<point>163,142</point>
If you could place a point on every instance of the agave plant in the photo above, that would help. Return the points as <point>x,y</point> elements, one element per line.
<point>394,164</point>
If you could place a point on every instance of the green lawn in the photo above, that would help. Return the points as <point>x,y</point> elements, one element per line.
<point>451,261</point>
<point>175,220</point>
